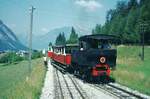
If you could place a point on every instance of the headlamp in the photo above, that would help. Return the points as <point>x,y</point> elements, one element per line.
<point>102,59</point>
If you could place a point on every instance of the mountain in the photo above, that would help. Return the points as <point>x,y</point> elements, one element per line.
<point>40,42</point>
<point>8,40</point>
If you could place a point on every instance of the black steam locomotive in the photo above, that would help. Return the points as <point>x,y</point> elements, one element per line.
<point>93,57</point>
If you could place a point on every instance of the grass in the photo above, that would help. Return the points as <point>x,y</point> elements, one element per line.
<point>14,83</point>
<point>131,71</point>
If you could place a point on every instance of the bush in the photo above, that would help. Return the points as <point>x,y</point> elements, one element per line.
<point>10,57</point>
<point>36,54</point>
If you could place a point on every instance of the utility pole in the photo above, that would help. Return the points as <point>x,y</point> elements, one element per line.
<point>143,30</point>
<point>143,43</point>
<point>30,36</point>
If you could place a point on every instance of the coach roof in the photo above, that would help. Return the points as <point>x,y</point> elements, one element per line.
<point>97,37</point>
<point>66,45</point>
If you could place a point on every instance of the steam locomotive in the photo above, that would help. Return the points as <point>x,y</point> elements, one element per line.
<point>93,57</point>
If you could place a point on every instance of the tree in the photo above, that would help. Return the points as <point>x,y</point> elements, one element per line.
<point>50,44</point>
<point>122,8</point>
<point>63,39</point>
<point>132,4</point>
<point>73,39</point>
<point>97,30</point>
<point>60,40</point>
<point>130,28</point>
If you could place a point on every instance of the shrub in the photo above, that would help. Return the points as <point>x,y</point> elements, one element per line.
<point>10,57</point>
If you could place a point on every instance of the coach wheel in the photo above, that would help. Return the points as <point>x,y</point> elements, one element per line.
<point>83,76</point>
<point>70,70</point>
<point>78,73</point>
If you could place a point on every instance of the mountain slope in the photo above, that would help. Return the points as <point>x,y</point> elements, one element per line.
<point>8,40</point>
<point>41,42</point>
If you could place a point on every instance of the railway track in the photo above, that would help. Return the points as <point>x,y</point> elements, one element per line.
<point>75,91</point>
<point>66,87</point>
<point>58,88</point>
<point>129,91</point>
<point>79,88</point>
<point>118,92</point>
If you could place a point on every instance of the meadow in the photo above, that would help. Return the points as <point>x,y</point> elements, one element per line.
<point>17,83</point>
<point>131,71</point>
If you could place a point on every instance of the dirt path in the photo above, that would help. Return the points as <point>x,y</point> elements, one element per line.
<point>48,89</point>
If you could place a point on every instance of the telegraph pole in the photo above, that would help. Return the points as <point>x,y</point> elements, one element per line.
<point>143,43</point>
<point>143,30</point>
<point>30,36</point>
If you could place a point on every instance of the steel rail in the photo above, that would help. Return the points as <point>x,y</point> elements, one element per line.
<point>60,87</point>
<point>125,91</point>
<point>77,87</point>
<point>67,86</point>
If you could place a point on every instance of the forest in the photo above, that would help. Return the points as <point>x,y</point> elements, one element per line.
<point>129,22</point>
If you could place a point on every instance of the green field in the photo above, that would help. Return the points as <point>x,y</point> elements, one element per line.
<point>14,83</point>
<point>131,71</point>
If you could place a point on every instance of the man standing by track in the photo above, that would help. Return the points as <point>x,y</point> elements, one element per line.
<point>45,58</point>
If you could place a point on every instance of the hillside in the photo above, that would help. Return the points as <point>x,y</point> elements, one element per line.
<point>40,42</point>
<point>128,20</point>
<point>8,40</point>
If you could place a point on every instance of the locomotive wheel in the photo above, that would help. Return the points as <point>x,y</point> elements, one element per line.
<point>85,76</point>
<point>90,79</point>
<point>70,70</point>
<point>74,72</point>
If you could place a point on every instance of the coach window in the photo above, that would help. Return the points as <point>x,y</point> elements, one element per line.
<point>59,50</point>
<point>62,51</point>
<point>83,45</point>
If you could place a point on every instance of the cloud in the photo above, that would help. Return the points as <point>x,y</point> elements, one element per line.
<point>45,29</point>
<point>91,5</point>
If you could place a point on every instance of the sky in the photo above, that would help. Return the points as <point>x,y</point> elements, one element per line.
<point>51,14</point>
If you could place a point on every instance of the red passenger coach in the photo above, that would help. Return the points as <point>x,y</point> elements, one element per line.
<point>62,58</point>
<point>58,54</point>
<point>50,54</point>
